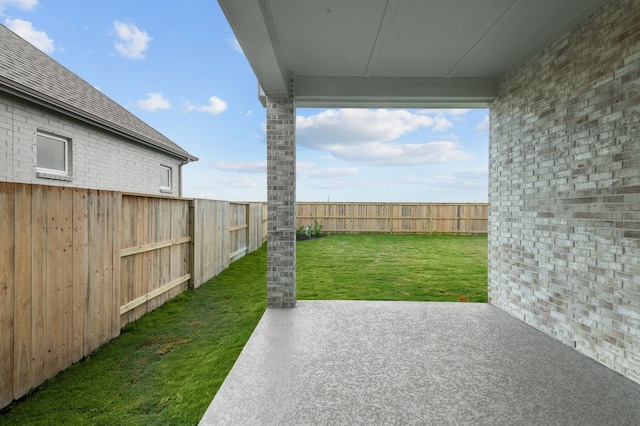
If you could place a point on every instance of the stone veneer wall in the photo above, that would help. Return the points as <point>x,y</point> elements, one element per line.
<point>564,221</point>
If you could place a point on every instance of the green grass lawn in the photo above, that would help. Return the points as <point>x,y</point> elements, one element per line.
<point>393,267</point>
<point>165,368</point>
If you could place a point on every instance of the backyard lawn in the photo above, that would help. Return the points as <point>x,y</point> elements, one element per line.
<point>393,267</point>
<point>166,367</point>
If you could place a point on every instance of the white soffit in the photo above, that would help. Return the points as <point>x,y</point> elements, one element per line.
<point>395,53</point>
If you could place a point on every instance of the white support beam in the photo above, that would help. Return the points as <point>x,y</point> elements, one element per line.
<point>322,92</point>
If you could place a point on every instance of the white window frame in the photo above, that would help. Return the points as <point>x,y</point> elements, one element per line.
<point>67,154</point>
<point>169,172</point>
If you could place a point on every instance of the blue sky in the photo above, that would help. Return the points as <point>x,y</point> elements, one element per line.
<point>177,66</point>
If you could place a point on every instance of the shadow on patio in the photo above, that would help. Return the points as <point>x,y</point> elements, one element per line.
<point>355,362</point>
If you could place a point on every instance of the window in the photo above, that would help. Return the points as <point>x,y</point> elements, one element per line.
<point>53,154</point>
<point>165,178</point>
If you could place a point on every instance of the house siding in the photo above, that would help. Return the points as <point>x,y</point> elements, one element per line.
<point>564,220</point>
<point>99,160</point>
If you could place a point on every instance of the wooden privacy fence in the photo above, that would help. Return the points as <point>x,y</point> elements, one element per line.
<point>396,218</point>
<point>78,264</point>
<point>226,231</point>
<point>155,262</point>
<point>60,263</point>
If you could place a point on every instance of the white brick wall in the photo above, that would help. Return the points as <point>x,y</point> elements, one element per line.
<point>100,160</point>
<point>564,221</point>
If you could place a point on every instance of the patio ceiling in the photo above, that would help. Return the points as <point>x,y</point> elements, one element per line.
<point>395,53</point>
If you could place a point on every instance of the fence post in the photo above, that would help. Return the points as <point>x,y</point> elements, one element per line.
<point>249,229</point>
<point>265,220</point>
<point>430,218</point>
<point>192,251</point>
<point>351,221</point>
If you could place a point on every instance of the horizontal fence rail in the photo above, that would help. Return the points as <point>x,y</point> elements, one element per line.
<point>395,218</point>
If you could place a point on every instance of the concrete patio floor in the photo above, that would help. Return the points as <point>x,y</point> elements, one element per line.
<point>356,362</point>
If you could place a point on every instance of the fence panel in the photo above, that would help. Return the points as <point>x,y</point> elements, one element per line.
<point>7,292</point>
<point>238,228</point>
<point>254,217</point>
<point>180,253</point>
<point>22,346</point>
<point>211,239</point>
<point>479,215</point>
<point>77,264</point>
<point>155,253</point>
<point>371,218</point>
<point>58,284</point>
<point>265,221</point>
<point>335,217</point>
<point>411,218</point>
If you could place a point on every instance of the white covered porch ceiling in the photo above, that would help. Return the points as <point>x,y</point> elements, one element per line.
<point>395,53</point>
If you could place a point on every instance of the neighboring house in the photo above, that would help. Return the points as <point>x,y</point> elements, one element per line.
<point>57,129</point>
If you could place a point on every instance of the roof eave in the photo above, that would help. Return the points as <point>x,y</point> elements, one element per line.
<point>50,103</point>
<point>388,92</point>
<point>260,47</point>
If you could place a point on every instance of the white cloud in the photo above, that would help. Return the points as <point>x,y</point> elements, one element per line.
<point>356,126</point>
<point>238,182</point>
<point>454,112</point>
<point>20,4</point>
<point>154,101</point>
<point>240,167</point>
<point>483,127</point>
<point>215,106</point>
<point>441,124</point>
<point>369,136</point>
<point>25,30</point>
<point>188,106</point>
<point>397,154</point>
<point>233,42</point>
<point>132,42</point>
<point>305,169</point>
<point>312,171</point>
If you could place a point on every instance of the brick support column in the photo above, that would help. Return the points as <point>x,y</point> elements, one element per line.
<point>281,201</point>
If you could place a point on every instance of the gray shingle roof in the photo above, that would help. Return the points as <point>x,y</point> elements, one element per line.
<point>29,73</point>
